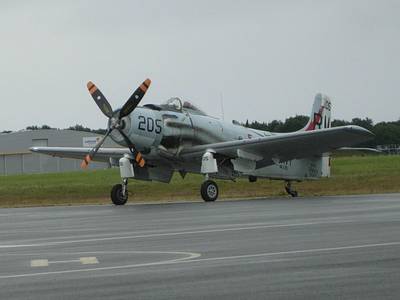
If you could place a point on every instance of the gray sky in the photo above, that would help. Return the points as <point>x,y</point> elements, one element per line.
<point>267,58</point>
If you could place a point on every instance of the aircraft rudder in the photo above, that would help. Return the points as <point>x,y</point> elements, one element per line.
<point>320,114</point>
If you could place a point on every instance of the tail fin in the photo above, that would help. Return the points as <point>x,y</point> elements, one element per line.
<point>321,118</point>
<point>321,113</point>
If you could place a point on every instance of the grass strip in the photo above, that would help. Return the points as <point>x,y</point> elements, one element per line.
<point>350,175</point>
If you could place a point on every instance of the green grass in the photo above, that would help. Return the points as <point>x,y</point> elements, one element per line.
<point>350,175</point>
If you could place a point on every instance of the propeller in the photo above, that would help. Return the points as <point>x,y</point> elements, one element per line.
<point>115,118</point>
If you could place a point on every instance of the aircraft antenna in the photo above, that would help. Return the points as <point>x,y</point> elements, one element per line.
<point>222,106</point>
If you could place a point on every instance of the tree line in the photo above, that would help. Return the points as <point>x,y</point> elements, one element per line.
<point>386,133</point>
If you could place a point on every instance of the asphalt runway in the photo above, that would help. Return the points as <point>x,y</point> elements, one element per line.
<point>344,247</point>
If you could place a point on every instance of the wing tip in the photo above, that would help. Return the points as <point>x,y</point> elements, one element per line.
<point>361,130</point>
<point>34,149</point>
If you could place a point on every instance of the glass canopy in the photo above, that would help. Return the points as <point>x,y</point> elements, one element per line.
<point>175,104</point>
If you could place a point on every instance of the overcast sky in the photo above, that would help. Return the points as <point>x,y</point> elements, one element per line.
<point>266,58</point>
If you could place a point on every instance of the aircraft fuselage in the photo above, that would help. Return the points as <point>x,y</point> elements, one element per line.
<point>161,134</point>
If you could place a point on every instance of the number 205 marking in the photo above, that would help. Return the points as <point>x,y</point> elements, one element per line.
<point>148,124</point>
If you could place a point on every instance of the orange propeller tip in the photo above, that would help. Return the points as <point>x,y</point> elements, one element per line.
<point>147,81</point>
<point>85,161</point>
<point>142,163</point>
<point>90,85</point>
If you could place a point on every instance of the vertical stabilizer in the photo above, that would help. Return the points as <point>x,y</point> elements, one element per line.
<point>320,118</point>
<point>321,113</point>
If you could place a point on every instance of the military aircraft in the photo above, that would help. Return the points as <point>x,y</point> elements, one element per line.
<point>158,140</point>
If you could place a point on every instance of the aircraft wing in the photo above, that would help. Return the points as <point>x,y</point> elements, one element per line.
<point>103,154</point>
<point>285,146</point>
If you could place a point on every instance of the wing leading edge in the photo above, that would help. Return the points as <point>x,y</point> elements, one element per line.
<point>287,146</point>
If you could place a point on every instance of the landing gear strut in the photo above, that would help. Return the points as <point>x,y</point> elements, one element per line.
<point>209,191</point>
<point>119,193</point>
<point>288,188</point>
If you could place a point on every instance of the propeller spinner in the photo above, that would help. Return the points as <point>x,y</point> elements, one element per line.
<point>115,119</point>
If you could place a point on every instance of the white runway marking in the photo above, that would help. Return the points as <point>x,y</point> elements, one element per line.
<point>113,238</point>
<point>91,260</point>
<point>88,260</point>
<point>64,261</point>
<point>39,263</point>
<point>187,256</point>
<point>193,258</point>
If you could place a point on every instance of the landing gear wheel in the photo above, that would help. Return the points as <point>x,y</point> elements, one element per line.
<point>117,195</point>
<point>288,188</point>
<point>209,191</point>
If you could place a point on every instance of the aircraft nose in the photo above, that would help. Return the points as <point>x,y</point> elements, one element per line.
<point>125,126</point>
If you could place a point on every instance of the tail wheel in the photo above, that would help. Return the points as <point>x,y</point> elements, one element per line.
<point>289,190</point>
<point>209,191</point>
<point>117,196</point>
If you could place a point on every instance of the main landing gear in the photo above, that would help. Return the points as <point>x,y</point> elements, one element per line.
<point>209,191</point>
<point>289,190</point>
<point>119,193</point>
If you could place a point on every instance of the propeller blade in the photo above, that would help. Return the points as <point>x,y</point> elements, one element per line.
<point>137,155</point>
<point>134,100</point>
<point>89,157</point>
<point>100,100</point>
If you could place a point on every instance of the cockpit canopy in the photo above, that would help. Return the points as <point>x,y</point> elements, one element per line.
<point>172,104</point>
<point>175,104</point>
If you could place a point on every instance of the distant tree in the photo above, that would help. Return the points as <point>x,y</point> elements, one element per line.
<point>6,131</point>
<point>387,133</point>
<point>290,124</point>
<point>99,131</point>
<point>294,123</point>
<point>366,123</point>
<point>79,127</point>
<point>336,123</point>
<point>35,127</point>
<point>257,125</point>
<point>275,126</point>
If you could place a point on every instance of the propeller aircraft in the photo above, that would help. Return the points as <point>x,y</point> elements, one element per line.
<point>159,139</point>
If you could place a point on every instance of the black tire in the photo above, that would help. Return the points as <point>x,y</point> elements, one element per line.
<point>116,195</point>
<point>252,178</point>
<point>209,191</point>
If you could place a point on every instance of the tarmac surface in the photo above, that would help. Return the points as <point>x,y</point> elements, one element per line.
<point>344,247</point>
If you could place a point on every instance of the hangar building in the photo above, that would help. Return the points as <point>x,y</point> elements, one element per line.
<point>15,157</point>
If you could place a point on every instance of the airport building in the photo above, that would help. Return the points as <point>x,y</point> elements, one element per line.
<point>15,157</point>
